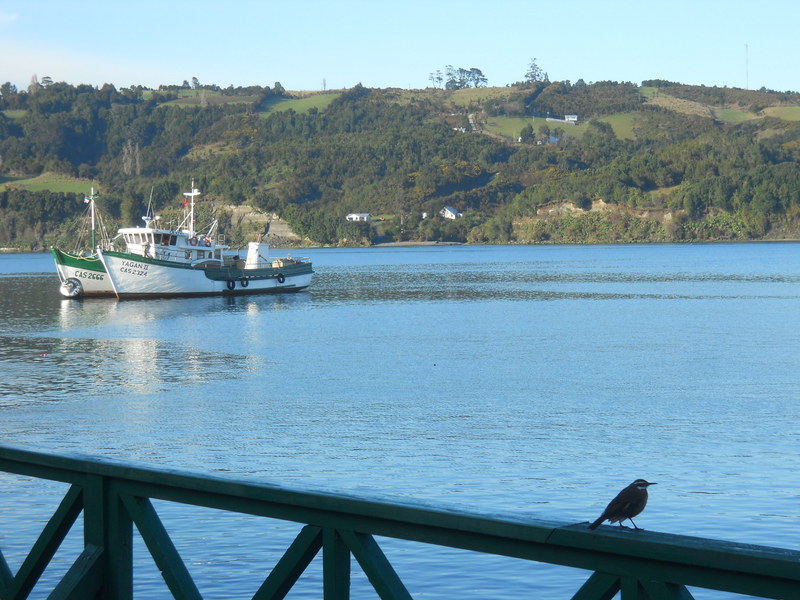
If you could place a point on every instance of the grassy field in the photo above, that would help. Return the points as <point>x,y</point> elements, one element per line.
<point>468,96</point>
<point>14,115</point>
<point>212,99</point>
<point>511,127</point>
<point>300,105</point>
<point>662,98</point>
<point>732,115</point>
<point>787,113</point>
<point>648,92</point>
<point>622,124</point>
<point>48,181</point>
<point>198,97</point>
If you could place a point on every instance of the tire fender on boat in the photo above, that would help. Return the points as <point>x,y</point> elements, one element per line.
<point>231,284</point>
<point>244,282</point>
<point>281,278</point>
<point>71,288</point>
<point>193,241</point>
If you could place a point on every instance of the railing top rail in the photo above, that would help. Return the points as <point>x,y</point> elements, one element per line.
<point>535,539</point>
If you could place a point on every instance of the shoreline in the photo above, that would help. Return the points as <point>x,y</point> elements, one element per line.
<point>405,244</point>
<point>424,244</point>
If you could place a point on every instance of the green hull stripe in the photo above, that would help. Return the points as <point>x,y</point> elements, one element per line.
<point>222,273</point>
<point>68,259</point>
<point>226,273</point>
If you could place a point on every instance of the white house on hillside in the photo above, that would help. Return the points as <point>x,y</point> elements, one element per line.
<point>359,217</point>
<point>567,120</point>
<point>448,212</point>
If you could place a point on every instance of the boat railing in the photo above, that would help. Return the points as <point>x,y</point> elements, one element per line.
<point>119,505</point>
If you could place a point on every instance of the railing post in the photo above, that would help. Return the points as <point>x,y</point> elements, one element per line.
<point>335,566</point>
<point>630,589</point>
<point>107,525</point>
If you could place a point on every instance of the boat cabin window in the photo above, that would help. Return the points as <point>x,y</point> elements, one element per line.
<point>166,239</point>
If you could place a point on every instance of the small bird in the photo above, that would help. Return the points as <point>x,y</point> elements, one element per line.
<point>628,503</point>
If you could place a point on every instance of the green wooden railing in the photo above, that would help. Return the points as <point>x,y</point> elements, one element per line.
<point>116,497</point>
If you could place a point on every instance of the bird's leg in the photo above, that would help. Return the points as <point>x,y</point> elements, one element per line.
<point>634,524</point>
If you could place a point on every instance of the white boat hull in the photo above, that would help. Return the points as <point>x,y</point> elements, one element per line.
<point>82,276</point>
<point>135,277</point>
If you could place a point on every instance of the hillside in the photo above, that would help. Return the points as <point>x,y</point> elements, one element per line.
<point>657,162</point>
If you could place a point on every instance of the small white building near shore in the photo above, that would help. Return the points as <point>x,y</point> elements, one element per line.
<point>359,217</point>
<point>448,212</point>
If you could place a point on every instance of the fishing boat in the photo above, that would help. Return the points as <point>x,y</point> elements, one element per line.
<point>81,271</point>
<point>162,262</point>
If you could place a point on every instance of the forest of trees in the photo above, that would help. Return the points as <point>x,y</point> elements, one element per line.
<point>372,150</point>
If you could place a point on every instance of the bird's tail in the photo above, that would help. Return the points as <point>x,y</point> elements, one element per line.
<point>596,524</point>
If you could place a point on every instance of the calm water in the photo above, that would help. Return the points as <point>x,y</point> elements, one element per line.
<point>531,381</point>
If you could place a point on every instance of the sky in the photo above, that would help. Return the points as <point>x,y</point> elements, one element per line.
<point>316,44</point>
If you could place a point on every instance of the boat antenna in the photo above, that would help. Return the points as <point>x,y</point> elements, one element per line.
<point>191,196</point>
<point>149,215</point>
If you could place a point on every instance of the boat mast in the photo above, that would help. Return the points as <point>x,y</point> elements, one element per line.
<point>191,195</point>
<point>90,200</point>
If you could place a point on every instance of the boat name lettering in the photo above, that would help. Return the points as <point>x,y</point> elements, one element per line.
<point>134,268</point>
<point>89,275</point>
